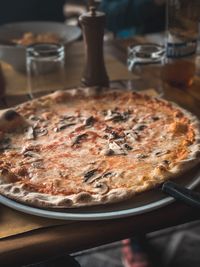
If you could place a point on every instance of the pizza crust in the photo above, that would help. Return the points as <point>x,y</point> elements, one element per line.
<point>19,192</point>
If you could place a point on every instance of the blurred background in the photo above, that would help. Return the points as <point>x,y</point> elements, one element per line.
<point>125,18</point>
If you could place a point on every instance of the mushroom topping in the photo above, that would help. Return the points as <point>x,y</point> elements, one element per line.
<point>68,118</point>
<point>155,118</point>
<point>166,162</point>
<point>63,126</point>
<point>101,188</point>
<point>126,146</point>
<point>79,139</point>
<point>160,153</point>
<point>116,116</point>
<point>41,132</point>
<point>30,133</point>
<point>89,122</point>
<point>115,135</point>
<point>140,127</point>
<point>35,156</point>
<point>132,135</point>
<point>37,165</point>
<point>35,148</point>
<point>91,176</point>
<point>31,154</point>
<point>34,118</point>
<point>108,174</point>
<point>142,156</point>
<point>115,149</point>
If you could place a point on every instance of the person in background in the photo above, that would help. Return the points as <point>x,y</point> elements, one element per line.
<point>131,17</point>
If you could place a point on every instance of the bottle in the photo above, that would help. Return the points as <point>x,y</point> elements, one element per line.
<point>181,44</point>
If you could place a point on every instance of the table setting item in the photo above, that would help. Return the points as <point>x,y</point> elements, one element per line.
<point>145,61</point>
<point>15,54</point>
<point>182,29</point>
<point>45,68</point>
<point>94,73</point>
<point>177,66</point>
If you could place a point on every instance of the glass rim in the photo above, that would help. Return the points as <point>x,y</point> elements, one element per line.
<point>147,49</point>
<point>45,49</point>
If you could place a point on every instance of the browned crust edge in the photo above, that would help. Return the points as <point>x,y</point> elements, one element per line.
<point>19,193</point>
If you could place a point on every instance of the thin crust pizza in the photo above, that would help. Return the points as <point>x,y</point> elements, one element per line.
<point>76,148</point>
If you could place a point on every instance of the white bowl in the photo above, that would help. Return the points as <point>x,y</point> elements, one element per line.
<point>16,54</point>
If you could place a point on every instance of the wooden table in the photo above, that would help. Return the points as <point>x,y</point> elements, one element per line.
<point>53,241</point>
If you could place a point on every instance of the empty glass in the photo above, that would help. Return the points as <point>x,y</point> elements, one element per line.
<point>45,68</point>
<point>145,61</point>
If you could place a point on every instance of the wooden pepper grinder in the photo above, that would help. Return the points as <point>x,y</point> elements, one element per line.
<point>93,31</point>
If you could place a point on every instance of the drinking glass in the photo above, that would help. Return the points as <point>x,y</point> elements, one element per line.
<point>45,68</point>
<point>181,42</point>
<point>145,61</point>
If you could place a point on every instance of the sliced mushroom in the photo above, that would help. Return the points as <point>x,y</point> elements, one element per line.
<point>117,149</point>
<point>127,147</point>
<point>108,174</point>
<point>35,148</point>
<point>101,188</point>
<point>37,165</point>
<point>142,156</point>
<point>41,132</point>
<point>68,118</point>
<point>91,176</point>
<point>31,154</point>
<point>116,116</point>
<point>63,126</point>
<point>140,127</point>
<point>132,135</point>
<point>34,118</point>
<point>160,153</point>
<point>89,122</point>
<point>30,133</point>
<point>79,138</point>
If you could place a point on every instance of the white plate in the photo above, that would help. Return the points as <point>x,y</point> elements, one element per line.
<point>140,204</point>
<point>15,55</point>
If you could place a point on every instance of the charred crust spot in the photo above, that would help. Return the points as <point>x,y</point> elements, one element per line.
<point>128,147</point>
<point>109,152</point>
<point>90,121</point>
<point>84,197</point>
<point>10,115</point>
<point>155,118</point>
<point>66,202</point>
<point>141,127</point>
<point>16,190</point>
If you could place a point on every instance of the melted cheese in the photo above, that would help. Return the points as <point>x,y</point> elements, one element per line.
<point>127,140</point>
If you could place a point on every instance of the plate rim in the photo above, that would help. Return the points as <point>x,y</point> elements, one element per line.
<point>9,26</point>
<point>94,216</point>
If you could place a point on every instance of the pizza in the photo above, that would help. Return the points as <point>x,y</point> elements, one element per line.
<point>79,148</point>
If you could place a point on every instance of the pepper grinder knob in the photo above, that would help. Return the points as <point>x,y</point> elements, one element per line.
<point>92,24</point>
<point>93,10</point>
